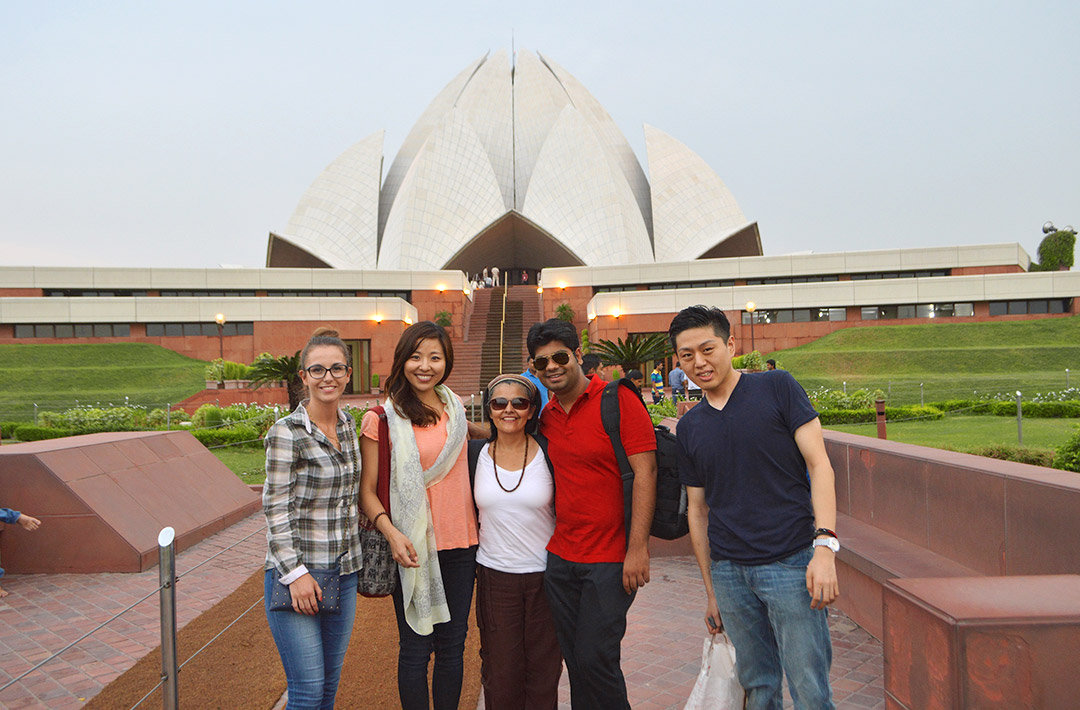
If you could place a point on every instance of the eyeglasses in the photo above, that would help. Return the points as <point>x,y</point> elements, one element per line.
<point>337,370</point>
<point>561,358</point>
<point>519,403</point>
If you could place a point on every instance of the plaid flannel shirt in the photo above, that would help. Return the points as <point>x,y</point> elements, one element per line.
<point>311,496</point>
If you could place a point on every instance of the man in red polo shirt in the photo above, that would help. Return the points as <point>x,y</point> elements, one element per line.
<point>593,570</point>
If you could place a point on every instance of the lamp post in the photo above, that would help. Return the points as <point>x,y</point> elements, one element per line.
<point>220,320</point>
<point>750,308</point>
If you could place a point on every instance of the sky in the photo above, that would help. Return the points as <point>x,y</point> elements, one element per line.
<point>152,134</point>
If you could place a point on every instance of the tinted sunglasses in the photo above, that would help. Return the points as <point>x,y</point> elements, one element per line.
<point>561,358</point>
<point>519,403</point>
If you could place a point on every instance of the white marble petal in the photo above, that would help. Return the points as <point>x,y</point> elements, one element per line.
<point>692,208</point>
<point>578,196</point>
<point>448,196</point>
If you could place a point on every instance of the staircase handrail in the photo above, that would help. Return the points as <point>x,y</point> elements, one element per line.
<point>502,326</point>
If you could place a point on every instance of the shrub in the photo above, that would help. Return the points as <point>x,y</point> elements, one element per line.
<point>753,360</point>
<point>214,370</point>
<point>231,435</point>
<point>1038,410</point>
<point>444,319</point>
<point>1067,456</point>
<point>1019,454</point>
<point>7,429</point>
<point>825,398</point>
<point>87,420</point>
<point>564,311</point>
<point>912,411</point>
<point>156,417</point>
<point>661,411</point>
<point>29,432</point>
<point>236,370</point>
<point>971,406</point>
<point>892,414</point>
<point>356,412</point>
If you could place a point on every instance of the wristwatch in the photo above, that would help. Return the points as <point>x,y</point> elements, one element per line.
<point>830,542</point>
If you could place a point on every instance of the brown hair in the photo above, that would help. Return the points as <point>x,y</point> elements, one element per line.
<point>401,392</point>
<point>324,336</point>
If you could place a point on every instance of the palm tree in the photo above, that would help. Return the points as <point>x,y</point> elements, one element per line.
<point>636,350</point>
<point>268,370</point>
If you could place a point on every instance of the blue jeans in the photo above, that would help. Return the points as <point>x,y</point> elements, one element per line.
<point>766,612</point>
<point>446,641</point>
<point>312,648</point>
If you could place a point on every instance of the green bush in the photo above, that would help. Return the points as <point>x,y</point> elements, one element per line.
<point>237,370</point>
<point>230,435</point>
<point>1019,454</point>
<point>444,319</point>
<point>29,432</point>
<point>356,412</point>
<point>892,414</point>
<point>156,417</point>
<point>564,311</point>
<point>88,420</point>
<point>971,406</point>
<point>1067,456</point>
<point>208,415</point>
<point>661,411</point>
<point>7,429</point>
<point>825,398</point>
<point>1038,410</point>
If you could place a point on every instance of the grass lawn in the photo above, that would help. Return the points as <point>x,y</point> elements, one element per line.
<point>964,432</point>
<point>951,360</point>
<point>90,373</point>
<point>246,462</point>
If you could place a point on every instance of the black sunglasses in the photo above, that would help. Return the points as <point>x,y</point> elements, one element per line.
<point>519,403</point>
<point>561,358</point>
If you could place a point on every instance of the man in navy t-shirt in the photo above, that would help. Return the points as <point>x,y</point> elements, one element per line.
<point>762,509</point>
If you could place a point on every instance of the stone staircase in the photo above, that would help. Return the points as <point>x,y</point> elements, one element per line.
<point>476,360</point>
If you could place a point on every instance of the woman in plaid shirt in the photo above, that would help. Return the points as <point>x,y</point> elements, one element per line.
<point>310,500</point>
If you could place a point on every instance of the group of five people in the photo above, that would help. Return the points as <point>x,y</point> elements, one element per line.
<point>533,519</point>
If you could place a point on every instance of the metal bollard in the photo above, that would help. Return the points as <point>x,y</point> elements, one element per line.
<point>879,406</point>
<point>35,413</point>
<point>170,697</point>
<point>1019,420</point>
<point>845,386</point>
<point>922,402</point>
<point>472,407</point>
<point>168,417</point>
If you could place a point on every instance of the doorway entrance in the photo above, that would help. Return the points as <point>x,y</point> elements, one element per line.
<point>360,351</point>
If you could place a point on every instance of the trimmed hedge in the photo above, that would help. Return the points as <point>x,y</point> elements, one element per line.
<point>868,416</point>
<point>1039,410</point>
<point>7,429</point>
<point>231,435</point>
<point>1019,454</point>
<point>29,432</point>
<point>973,406</point>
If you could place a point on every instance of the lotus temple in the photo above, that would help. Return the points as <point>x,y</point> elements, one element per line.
<point>516,165</point>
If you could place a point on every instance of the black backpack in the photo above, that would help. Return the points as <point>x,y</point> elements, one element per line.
<point>669,521</point>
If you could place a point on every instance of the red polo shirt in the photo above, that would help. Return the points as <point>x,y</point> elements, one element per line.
<point>588,485</point>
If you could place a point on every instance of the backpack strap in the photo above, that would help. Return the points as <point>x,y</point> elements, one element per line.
<point>610,417</point>
<point>474,446</point>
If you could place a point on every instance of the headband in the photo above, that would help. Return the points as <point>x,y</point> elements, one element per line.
<point>525,382</point>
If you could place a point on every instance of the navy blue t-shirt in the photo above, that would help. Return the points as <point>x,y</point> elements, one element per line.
<point>754,475</point>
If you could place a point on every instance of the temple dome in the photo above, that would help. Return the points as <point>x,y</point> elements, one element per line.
<point>513,164</point>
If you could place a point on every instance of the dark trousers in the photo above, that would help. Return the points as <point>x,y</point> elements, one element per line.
<point>589,605</point>
<point>447,641</point>
<point>519,653</point>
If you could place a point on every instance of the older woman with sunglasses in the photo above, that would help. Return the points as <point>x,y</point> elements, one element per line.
<point>514,494</point>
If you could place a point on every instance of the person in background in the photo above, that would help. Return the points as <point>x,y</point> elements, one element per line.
<point>590,364</point>
<point>770,364</point>
<point>487,278</point>
<point>635,375</point>
<point>595,565</point>
<point>433,532</point>
<point>657,378</point>
<point>310,503</point>
<point>495,276</point>
<point>26,522</point>
<point>514,492</point>
<point>755,444</point>
<point>530,374</point>
<point>677,381</point>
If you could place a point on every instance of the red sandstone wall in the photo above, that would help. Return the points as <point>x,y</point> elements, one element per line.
<point>577,296</point>
<point>428,303</point>
<point>21,292</point>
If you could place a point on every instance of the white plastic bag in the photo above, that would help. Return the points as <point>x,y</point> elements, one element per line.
<point>717,686</point>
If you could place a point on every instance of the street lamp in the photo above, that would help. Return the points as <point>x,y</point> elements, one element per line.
<point>750,308</point>
<point>220,320</point>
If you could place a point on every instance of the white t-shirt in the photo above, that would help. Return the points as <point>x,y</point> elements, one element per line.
<point>514,527</point>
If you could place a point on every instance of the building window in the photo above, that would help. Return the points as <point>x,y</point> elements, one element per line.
<point>964,309</point>
<point>869,312</point>
<point>24,331</point>
<point>155,330</point>
<point>174,330</point>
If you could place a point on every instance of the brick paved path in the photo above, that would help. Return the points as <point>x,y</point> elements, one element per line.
<point>665,630</point>
<point>44,613</point>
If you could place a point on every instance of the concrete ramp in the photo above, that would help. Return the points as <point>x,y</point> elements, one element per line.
<point>102,498</point>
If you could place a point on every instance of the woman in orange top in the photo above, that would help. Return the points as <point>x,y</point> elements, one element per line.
<point>433,533</point>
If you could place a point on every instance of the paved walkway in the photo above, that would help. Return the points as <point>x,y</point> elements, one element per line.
<point>44,613</point>
<point>661,652</point>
